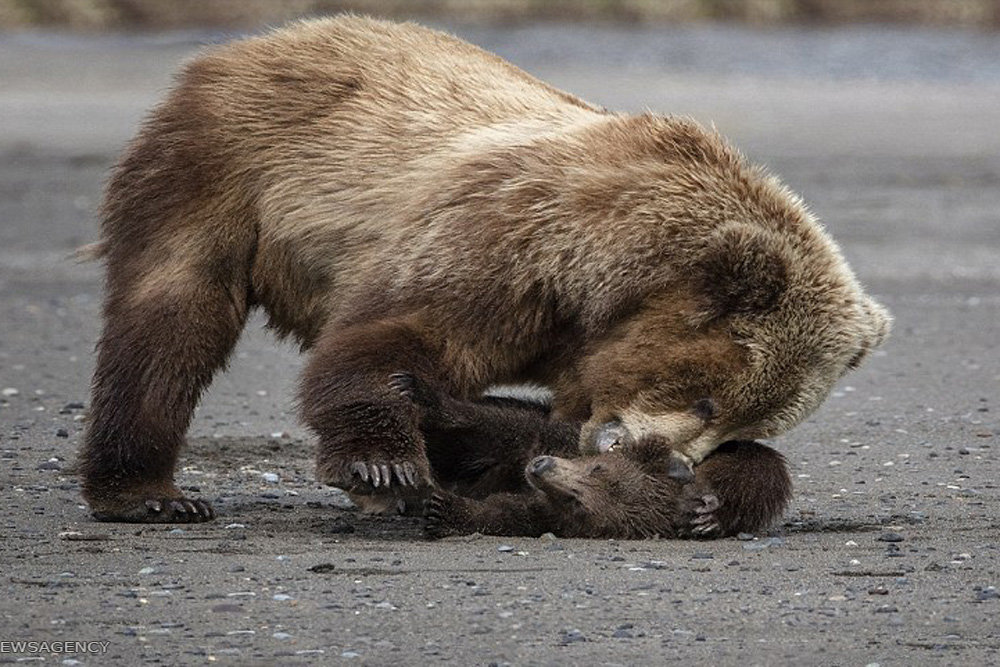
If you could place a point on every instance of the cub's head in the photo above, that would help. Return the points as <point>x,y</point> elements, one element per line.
<point>744,345</point>
<point>612,495</point>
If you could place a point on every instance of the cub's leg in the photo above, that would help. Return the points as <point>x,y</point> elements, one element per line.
<point>369,435</point>
<point>742,487</point>
<point>169,324</point>
<point>527,514</point>
<point>479,447</point>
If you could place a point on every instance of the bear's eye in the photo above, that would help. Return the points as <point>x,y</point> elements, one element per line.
<point>597,468</point>
<point>705,409</point>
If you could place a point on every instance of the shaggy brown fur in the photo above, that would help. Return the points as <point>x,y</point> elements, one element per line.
<point>628,494</point>
<point>395,198</point>
<point>503,467</point>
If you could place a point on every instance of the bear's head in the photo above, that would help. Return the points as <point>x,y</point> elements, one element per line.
<point>748,340</point>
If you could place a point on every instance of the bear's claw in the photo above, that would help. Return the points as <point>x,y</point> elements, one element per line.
<point>404,383</point>
<point>705,523</point>
<point>381,474</point>
<point>160,510</point>
<point>435,517</point>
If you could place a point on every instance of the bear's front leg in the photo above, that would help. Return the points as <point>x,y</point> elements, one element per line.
<point>369,436</point>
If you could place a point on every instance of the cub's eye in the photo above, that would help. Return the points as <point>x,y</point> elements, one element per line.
<point>597,467</point>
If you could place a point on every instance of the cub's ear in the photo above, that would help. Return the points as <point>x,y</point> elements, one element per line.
<point>742,269</point>
<point>876,322</point>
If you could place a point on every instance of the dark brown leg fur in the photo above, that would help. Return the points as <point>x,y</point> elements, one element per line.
<point>527,514</point>
<point>178,237</point>
<point>480,447</point>
<point>742,487</point>
<point>155,358</point>
<point>369,437</point>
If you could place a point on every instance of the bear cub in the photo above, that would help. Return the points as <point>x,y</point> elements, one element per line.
<point>503,467</point>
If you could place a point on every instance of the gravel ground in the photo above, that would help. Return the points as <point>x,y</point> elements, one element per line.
<point>890,552</point>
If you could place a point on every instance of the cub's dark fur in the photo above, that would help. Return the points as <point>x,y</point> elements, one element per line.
<point>506,468</point>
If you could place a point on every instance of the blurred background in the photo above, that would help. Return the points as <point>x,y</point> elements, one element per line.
<point>159,14</point>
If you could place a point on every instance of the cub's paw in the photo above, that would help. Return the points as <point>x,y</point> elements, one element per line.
<point>439,514</point>
<point>413,388</point>
<point>700,517</point>
<point>435,409</point>
<point>155,510</point>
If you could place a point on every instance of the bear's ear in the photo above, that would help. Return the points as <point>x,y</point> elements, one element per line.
<point>742,269</point>
<point>876,323</point>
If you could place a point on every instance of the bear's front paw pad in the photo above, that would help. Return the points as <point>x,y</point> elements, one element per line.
<point>705,523</point>
<point>437,513</point>
<point>160,510</point>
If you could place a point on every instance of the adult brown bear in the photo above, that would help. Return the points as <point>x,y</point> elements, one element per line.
<point>397,199</point>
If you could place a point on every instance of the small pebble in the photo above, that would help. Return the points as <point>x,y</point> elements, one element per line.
<point>270,478</point>
<point>702,555</point>
<point>890,537</point>
<point>624,631</point>
<point>744,537</point>
<point>760,545</point>
<point>62,433</point>
<point>505,548</point>
<point>9,391</point>
<point>987,593</point>
<point>572,636</point>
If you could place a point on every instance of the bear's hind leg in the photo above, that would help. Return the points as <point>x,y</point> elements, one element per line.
<point>166,331</point>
